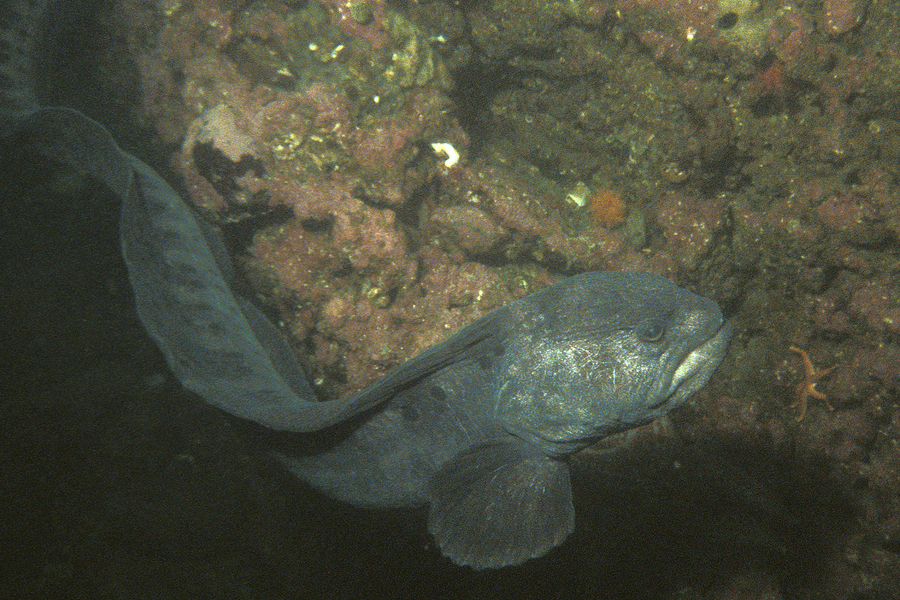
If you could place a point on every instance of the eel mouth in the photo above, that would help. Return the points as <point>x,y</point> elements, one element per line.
<point>695,369</point>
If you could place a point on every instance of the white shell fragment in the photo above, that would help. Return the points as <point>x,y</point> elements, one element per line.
<point>448,151</point>
<point>578,195</point>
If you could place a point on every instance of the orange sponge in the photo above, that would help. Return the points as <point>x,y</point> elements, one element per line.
<point>607,208</point>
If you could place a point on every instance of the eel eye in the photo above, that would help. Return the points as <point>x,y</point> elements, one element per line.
<point>651,332</point>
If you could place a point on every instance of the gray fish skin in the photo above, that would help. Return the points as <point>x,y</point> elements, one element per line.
<point>19,22</point>
<point>478,427</point>
<point>482,439</point>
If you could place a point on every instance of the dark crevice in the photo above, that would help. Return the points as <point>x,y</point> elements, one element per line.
<point>238,234</point>
<point>476,87</point>
<point>221,171</point>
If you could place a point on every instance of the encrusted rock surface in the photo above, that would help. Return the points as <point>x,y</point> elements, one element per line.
<point>755,144</point>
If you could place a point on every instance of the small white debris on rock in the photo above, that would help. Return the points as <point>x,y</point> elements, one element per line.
<point>448,151</point>
<point>579,194</point>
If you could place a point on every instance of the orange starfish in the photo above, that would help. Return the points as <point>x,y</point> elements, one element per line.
<point>807,387</point>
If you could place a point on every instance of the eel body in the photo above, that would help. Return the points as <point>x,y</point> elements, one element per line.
<point>478,428</point>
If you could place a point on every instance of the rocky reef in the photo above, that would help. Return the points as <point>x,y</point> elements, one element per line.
<point>389,171</point>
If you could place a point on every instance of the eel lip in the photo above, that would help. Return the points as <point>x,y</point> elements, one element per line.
<point>702,360</point>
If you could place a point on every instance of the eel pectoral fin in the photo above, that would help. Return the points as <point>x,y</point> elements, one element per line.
<point>500,504</point>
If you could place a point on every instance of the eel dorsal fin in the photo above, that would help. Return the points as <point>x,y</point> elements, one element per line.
<point>217,344</point>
